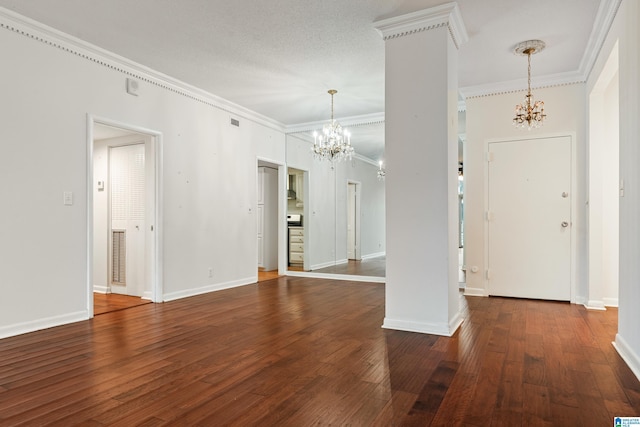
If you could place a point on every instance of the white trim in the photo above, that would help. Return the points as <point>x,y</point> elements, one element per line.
<point>628,355</point>
<point>346,277</point>
<point>357,253</point>
<point>329,264</point>
<point>351,121</point>
<point>282,211</point>
<point>375,255</point>
<point>45,323</point>
<point>172,296</point>
<point>595,305</point>
<point>475,292</point>
<point>32,29</point>
<point>101,289</point>
<point>520,85</point>
<point>442,329</point>
<point>607,12</point>
<point>610,302</point>
<point>446,14</point>
<point>156,280</point>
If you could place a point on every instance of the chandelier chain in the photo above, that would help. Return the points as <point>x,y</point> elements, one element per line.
<point>334,143</point>
<point>530,114</point>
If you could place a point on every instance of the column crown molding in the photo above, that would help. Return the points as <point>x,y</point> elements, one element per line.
<point>447,14</point>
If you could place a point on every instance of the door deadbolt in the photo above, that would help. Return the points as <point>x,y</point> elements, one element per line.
<point>564,224</point>
<point>565,194</point>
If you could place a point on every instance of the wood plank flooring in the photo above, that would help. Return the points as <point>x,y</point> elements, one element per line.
<point>374,267</point>
<point>106,303</point>
<point>296,351</point>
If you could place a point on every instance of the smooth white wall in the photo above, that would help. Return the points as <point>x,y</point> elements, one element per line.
<point>625,31</point>
<point>489,118</point>
<point>209,176</point>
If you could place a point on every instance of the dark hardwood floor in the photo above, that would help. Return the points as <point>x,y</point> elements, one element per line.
<point>297,351</point>
<point>374,267</point>
<point>106,303</point>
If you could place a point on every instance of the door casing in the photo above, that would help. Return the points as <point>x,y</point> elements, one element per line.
<point>153,266</point>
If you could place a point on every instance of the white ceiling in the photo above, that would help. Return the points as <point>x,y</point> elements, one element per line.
<point>280,57</point>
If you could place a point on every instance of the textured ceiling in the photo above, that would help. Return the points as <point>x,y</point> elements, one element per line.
<point>280,57</point>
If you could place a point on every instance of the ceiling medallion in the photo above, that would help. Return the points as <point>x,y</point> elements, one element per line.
<point>334,143</point>
<point>530,114</point>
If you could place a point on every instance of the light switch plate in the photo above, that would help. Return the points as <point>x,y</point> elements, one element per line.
<point>68,198</point>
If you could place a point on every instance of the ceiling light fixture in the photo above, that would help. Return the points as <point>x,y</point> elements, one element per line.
<point>531,113</point>
<point>334,143</point>
<point>381,172</point>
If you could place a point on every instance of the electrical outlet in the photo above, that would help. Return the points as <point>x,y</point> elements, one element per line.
<point>210,272</point>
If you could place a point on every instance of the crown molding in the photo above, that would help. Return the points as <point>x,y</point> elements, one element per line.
<point>352,121</point>
<point>35,30</point>
<point>604,19</point>
<point>446,14</point>
<point>607,12</point>
<point>519,85</point>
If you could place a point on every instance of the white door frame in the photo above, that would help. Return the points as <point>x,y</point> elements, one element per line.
<point>282,212</point>
<point>156,251</point>
<point>357,214</point>
<point>574,198</point>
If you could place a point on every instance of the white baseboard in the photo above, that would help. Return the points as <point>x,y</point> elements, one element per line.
<point>376,255</point>
<point>610,302</point>
<point>171,296</point>
<point>147,295</point>
<point>329,264</point>
<point>314,275</point>
<point>101,289</point>
<point>36,325</point>
<point>595,305</point>
<point>475,292</point>
<point>442,329</point>
<point>631,358</point>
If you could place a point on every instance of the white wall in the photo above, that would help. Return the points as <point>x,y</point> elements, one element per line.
<point>489,118</point>
<point>624,31</point>
<point>208,176</point>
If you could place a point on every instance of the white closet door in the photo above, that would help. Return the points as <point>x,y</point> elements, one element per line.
<point>127,184</point>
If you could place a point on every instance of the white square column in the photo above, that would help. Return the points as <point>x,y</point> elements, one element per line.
<point>421,156</point>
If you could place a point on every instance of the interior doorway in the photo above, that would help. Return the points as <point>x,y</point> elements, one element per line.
<point>353,221</point>
<point>123,246</point>
<point>270,214</point>
<point>605,187</point>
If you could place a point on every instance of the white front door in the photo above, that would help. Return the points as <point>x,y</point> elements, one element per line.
<point>127,184</point>
<point>529,218</point>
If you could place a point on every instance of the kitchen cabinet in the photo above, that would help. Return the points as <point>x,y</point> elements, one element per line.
<point>296,245</point>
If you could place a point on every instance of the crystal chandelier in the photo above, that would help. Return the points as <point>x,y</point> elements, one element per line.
<point>334,143</point>
<point>530,114</point>
<point>381,172</point>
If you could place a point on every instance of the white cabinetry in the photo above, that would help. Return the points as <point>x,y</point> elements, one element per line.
<point>267,213</point>
<point>296,245</point>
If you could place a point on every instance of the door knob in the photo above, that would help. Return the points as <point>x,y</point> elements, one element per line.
<point>565,224</point>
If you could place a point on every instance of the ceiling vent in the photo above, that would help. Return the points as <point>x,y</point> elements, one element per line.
<point>235,122</point>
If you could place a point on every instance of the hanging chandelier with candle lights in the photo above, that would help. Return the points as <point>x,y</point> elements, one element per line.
<point>334,143</point>
<point>529,114</point>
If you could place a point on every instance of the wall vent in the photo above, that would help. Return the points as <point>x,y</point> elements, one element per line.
<point>118,257</point>
<point>235,122</point>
